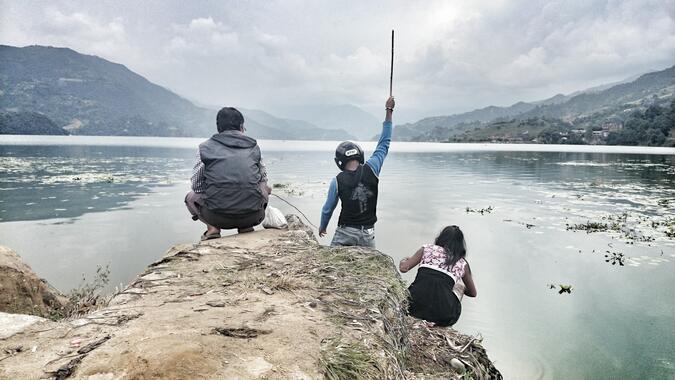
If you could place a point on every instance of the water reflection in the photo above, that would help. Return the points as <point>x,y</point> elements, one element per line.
<point>68,181</point>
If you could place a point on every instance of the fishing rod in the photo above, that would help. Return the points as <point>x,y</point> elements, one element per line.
<point>391,67</point>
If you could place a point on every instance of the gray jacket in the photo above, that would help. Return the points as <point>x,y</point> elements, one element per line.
<point>232,173</point>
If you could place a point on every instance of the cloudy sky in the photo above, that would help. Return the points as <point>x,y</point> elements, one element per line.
<point>451,56</point>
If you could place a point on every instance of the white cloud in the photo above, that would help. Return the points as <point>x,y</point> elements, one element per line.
<point>541,47</point>
<point>450,55</point>
<point>203,37</point>
<point>204,24</point>
<point>77,29</point>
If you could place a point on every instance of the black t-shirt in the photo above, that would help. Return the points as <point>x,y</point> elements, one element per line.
<point>357,191</point>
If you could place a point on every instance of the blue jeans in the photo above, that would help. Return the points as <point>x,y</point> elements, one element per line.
<point>351,236</point>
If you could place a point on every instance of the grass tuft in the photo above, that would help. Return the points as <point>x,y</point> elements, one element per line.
<point>286,282</point>
<point>342,361</point>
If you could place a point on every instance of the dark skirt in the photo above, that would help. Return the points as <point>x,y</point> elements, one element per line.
<point>432,299</point>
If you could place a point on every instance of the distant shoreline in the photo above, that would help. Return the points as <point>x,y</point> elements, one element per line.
<point>327,146</point>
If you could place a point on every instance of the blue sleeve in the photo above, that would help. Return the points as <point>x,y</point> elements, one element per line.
<point>329,206</point>
<point>377,159</point>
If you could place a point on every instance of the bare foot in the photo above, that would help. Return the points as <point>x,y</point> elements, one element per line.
<point>211,230</point>
<point>244,230</point>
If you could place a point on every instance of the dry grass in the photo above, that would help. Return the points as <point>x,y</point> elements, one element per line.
<point>286,282</point>
<point>340,360</point>
<point>432,349</point>
<point>364,291</point>
<point>255,273</point>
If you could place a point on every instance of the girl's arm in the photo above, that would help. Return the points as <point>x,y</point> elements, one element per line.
<point>409,262</point>
<point>470,289</point>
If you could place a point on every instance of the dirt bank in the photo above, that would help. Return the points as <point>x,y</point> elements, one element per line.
<point>23,292</point>
<point>270,304</point>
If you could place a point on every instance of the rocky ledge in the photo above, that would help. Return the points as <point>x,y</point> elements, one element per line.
<point>271,304</point>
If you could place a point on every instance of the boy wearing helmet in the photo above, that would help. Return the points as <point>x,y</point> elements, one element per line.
<point>356,188</point>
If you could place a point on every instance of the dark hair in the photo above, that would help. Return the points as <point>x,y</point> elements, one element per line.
<point>452,241</point>
<point>229,118</point>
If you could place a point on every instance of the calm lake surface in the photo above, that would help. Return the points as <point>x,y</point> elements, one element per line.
<point>68,204</point>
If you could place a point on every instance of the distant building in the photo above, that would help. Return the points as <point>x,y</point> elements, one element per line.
<point>612,126</point>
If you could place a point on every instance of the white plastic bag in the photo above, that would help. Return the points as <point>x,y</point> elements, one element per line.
<point>274,218</point>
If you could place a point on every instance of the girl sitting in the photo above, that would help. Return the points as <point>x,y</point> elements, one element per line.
<point>443,278</point>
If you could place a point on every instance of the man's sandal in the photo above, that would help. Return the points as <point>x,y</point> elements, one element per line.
<point>212,235</point>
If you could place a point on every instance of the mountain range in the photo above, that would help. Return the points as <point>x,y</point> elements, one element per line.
<point>345,117</point>
<point>584,109</point>
<point>88,95</point>
<point>49,90</point>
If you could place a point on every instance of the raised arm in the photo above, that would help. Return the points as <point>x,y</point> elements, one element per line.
<point>410,262</point>
<point>328,207</point>
<point>377,159</point>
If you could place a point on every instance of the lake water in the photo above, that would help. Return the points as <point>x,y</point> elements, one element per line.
<point>68,204</point>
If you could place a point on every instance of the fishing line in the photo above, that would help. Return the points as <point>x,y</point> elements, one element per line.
<point>297,209</point>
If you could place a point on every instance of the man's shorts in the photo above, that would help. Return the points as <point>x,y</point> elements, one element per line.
<point>195,204</point>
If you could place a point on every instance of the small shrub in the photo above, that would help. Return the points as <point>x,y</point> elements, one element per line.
<point>87,296</point>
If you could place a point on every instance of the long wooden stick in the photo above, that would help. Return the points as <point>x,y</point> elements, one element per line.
<point>391,72</point>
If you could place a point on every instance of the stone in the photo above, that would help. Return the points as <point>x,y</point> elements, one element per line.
<point>11,324</point>
<point>457,365</point>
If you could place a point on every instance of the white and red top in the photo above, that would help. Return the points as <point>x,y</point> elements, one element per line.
<point>434,257</point>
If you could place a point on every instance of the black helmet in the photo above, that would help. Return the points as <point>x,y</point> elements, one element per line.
<point>348,151</point>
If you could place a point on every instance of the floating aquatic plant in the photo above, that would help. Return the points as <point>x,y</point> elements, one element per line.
<point>664,202</point>
<point>561,288</point>
<point>630,227</point>
<point>589,227</point>
<point>565,289</point>
<point>615,258</point>
<point>481,211</point>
